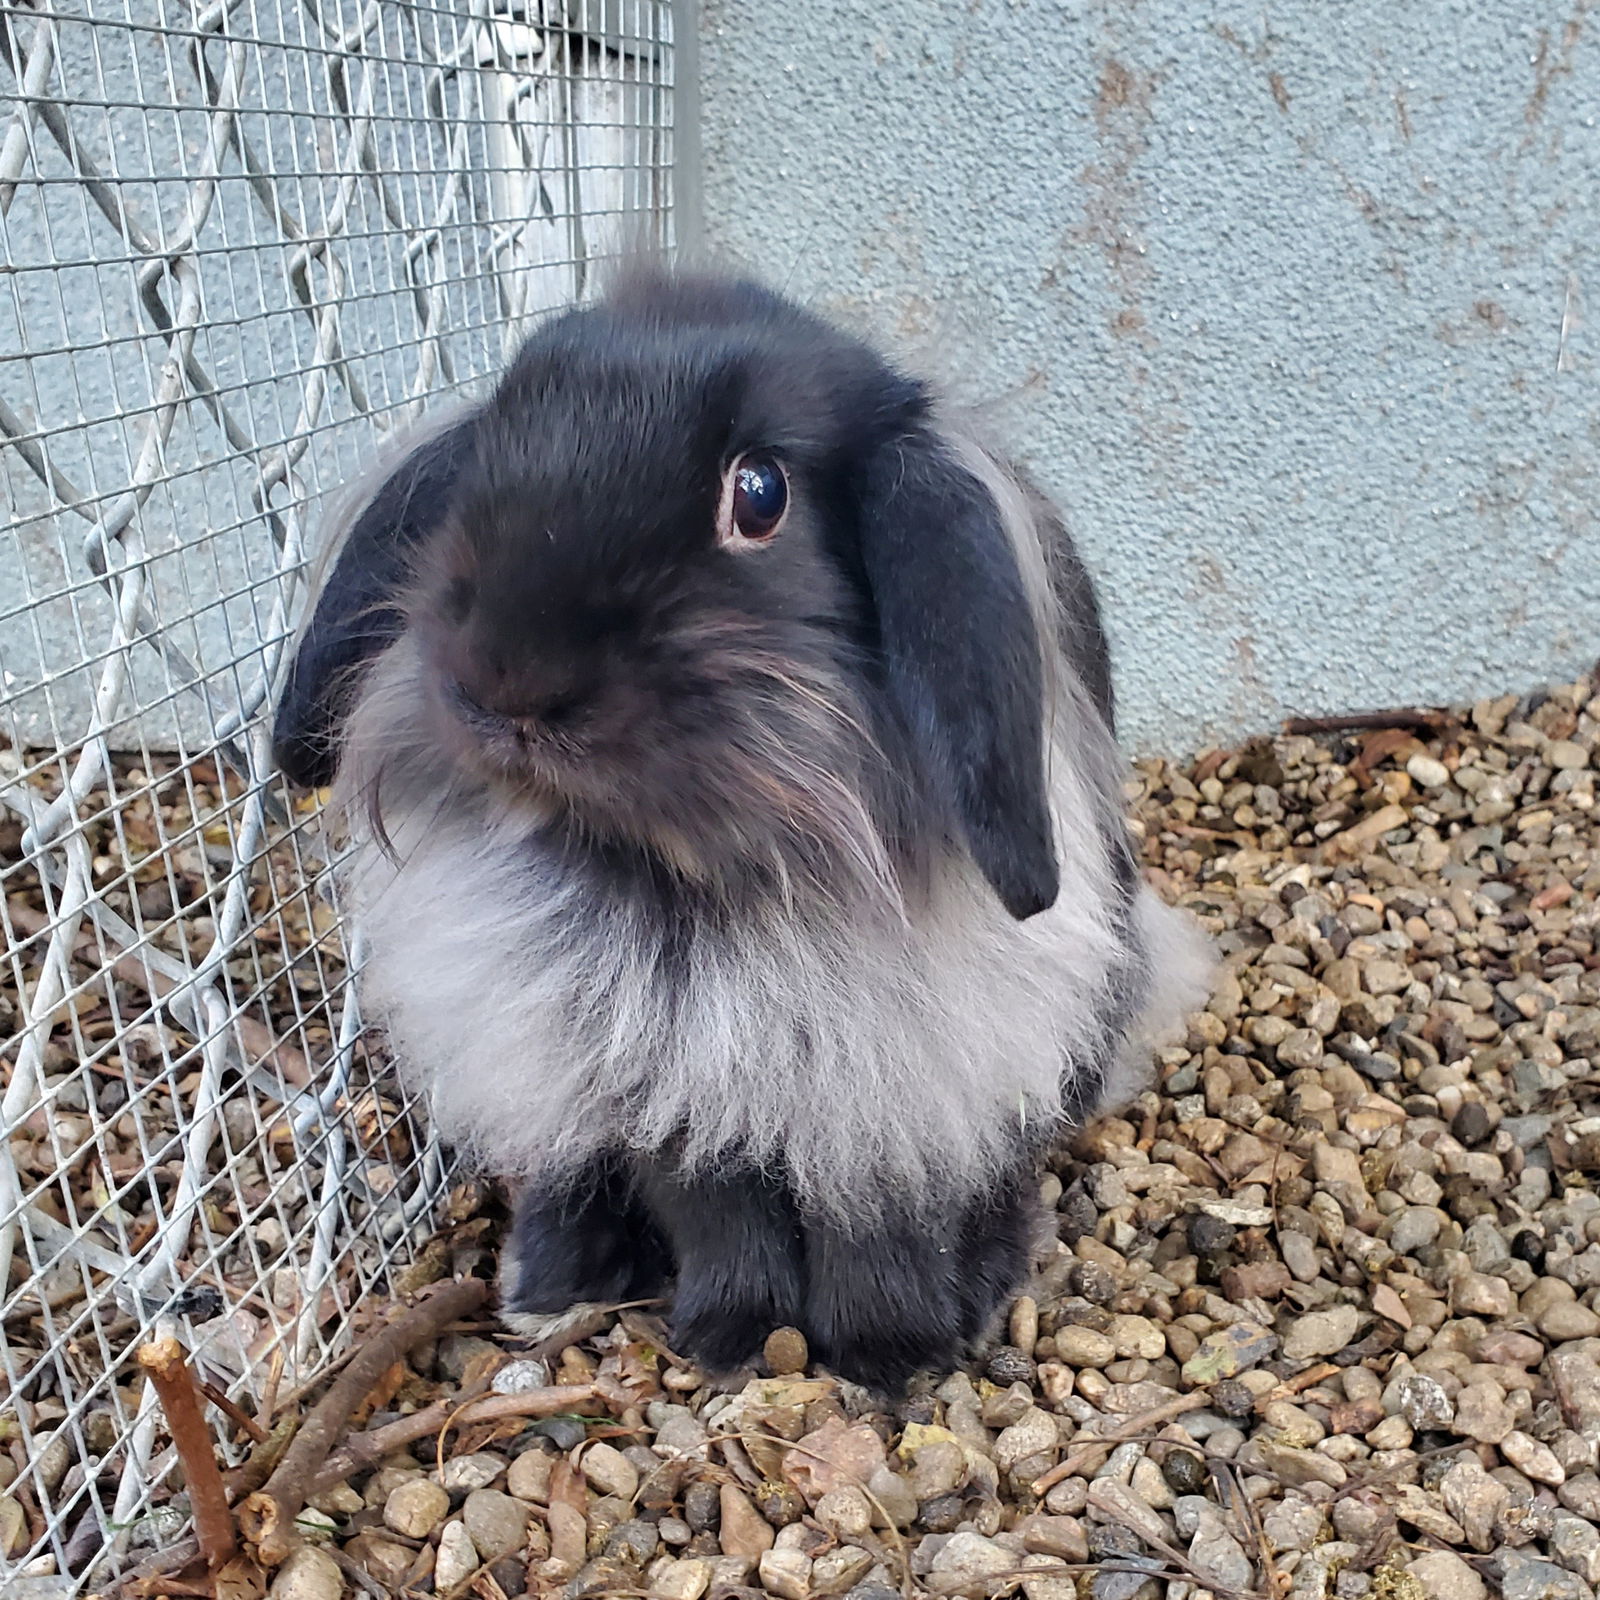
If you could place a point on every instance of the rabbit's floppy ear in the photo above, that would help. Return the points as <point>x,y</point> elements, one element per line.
<point>961,655</point>
<point>357,613</point>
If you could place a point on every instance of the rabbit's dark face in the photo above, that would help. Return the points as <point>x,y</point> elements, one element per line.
<point>644,610</point>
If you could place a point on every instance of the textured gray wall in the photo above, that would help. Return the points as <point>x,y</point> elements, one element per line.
<point>1284,301</point>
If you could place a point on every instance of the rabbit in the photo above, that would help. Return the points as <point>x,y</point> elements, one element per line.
<point>726,740</point>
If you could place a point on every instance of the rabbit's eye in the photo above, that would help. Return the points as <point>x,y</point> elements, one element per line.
<point>754,499</point>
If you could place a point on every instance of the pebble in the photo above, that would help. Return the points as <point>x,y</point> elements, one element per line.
<point>1568,1319</point>
<point>1527,1577</point>
<point>528,1477</point>
<point>845,1512</point>
<point>745,1532</point>
<point>1424,1403</point>
<point>1537,1460</point>
<point>1481,1413</point>
<point>497,1523</point>
<point>1084,1347</point>
<point>310,1573</point>
<point>462,1474</point>
<point>785,1573</point>
<point>415,1508</point>
<point>1321,1333</point>
<point>1445,1576</point>
<point>1034,1433</point>
<point>1428,772</point>
<point>685,1579</point>
<point>457,1558</point>
<point>969,1556</point>
<point>838,1571</point>
<point>609,1470</point>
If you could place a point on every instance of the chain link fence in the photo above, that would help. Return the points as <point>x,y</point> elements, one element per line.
<point>243,241</point>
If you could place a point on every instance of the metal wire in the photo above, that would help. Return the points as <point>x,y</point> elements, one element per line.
<point>242,241</point>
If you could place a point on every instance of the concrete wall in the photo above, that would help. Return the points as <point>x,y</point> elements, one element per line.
<point>1284,300</point>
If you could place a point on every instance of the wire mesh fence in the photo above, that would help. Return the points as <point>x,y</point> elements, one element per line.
<point>242,242</point>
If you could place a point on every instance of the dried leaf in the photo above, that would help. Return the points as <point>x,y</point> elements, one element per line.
<point>833,1455</point>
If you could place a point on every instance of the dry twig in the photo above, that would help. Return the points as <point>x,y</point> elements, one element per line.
<point>267,1516</point>
<point>1084,1456</point>
<point>365,1448</point>
<point>162,1362</point>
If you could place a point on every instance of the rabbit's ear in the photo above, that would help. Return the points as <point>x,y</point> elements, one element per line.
<point>962,657</point>
<point>357,613</point>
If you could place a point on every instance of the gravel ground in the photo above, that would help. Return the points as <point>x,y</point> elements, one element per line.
<point>1330,1297</point>
<point>1323,1320</point>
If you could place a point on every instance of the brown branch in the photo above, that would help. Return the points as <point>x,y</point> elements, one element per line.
<point>267,1516</point>
<point>1085,1454</point>
<point>1415,719</point>
<point>365,1448</point>
<point>162,1362</point>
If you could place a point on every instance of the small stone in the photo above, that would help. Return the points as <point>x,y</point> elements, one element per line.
<point>786,1351</point>
<point>609,1470</point>
<point>942,1514</point>
<point>1568,1319</point>
<point>1219,1558</point>
<point>1428,772</point>
<point>1566,756</point>
<point>13,1527</point>
<point>893,1494</point>
<point>1292,1524</point>
<point>310,1573</point>
<point>745,1532</point>
<point>838,1571</point>
<point>529,1475</point>
<point>462,1474</point>
<point>785,1573</point>
<point>687,1579</point>
<point>1526,1577</point>
<point>702,1506</point>
<point>1321,1333</point>
<point>497,1523</point>
<point>1481,1294</point>
<point>457,1558</point>
<point>1255,1280</point>
<point>1475,1500</point>
<point>634,1541</point>
<point>1424,1403</point>
<point>1033,1434</point>
<point>415,1508</point>
<point>1296,1468</point>
<point>938,1466</point>
<point>1083,1347</point>
<point>1131,1512</point>
<point>1210,1235</point>
<point>682,1433</point>
<point>1229,1351</point>
<point>1043,1534</point>
<point>1023,1323</point>
<point>846,1513</point>
<point>1445,1576</point>
<point>1482,1414</point>
<point>970,1557</point>
<point>520,1377</point>
<point>1299,1252</point>
<point>1536,1460</point>
<point>1009,1365</point>
<point>1575,1545</point>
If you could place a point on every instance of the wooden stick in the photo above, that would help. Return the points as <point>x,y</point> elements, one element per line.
<point>162,1362</point>
<point>1084,1455</point>
<point>1412,718</point>
<point>365,1448</point>
<point>267,1516</point>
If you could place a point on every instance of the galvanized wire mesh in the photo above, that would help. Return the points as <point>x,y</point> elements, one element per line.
<point>242,241</point>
